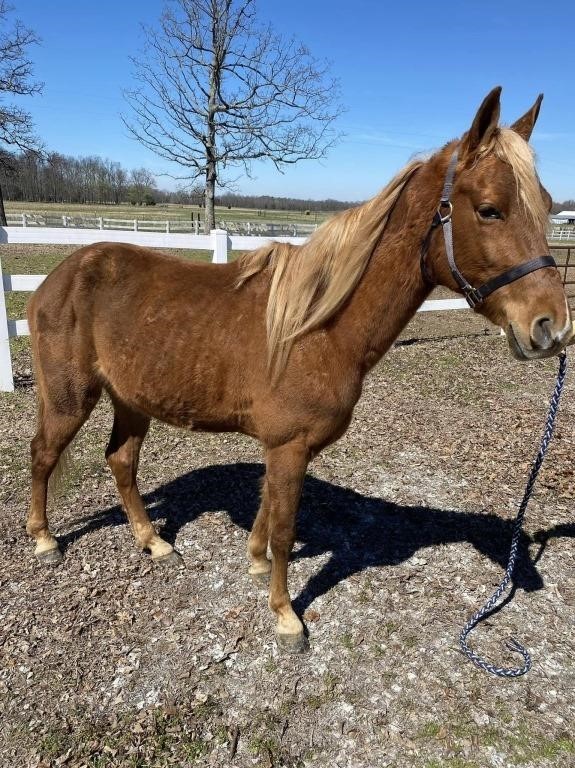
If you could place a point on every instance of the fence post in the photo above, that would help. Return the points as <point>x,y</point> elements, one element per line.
<point>100,222</point>
<point>24,220</point>
<point>220,241</point>
<point>6,377</point>
<point>168,227</point>
<point>135,225</point>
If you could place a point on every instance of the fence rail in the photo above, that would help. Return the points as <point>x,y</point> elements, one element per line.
<point>562,233</point>
<point>258,229</point>
<point>218,241</point>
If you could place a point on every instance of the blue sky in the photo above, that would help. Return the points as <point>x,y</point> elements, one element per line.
<point>412,76</point>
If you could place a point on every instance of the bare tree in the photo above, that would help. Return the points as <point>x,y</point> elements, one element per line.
<point>15,78</point>
<point>218,90</point>
<point>119,182</point>
<point>141,187</point>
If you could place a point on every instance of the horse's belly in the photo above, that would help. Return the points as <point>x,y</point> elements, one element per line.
<point>197,395</point>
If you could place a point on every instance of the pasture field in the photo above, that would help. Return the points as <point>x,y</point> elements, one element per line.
<point>108,661</point>
<point>111,662</point>
<point>161,212</point>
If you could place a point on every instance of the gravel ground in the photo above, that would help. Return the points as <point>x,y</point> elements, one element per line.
<point>404,530</point>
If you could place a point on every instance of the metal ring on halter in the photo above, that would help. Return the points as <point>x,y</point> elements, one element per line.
<point>447,217</point>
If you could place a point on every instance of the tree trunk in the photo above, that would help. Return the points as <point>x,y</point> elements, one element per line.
<point>210,142</point>
<point>210,218</point>
<point>3,222</point>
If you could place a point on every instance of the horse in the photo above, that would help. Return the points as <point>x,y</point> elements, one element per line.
<point>276,344</point>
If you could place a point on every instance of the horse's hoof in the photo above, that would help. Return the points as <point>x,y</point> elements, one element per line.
<point>50,557</point>
<point>173,560</point>
<point>261,579</point>
<point>292,643</point>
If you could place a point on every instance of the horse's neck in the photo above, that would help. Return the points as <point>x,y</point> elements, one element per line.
<point>392,287</point>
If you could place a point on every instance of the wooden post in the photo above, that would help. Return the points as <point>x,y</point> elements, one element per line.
<point>220,241</point>
<point>6,376</point>
<point>101,222</point>
<point>24,220</point>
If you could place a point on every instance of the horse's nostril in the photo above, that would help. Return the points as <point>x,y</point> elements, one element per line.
<point>542,333</point>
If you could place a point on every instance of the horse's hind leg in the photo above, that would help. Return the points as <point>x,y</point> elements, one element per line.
<point>57,426</point>
<point>260,565</point>
<point>122,455</point>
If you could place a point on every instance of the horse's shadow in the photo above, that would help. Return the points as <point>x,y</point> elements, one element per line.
<point>358,531</point>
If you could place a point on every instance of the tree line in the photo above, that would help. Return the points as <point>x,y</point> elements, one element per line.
<point>55,178</point>
<point>272,203</point>
<point>566,205</point>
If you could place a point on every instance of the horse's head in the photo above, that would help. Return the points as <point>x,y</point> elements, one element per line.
<point>499,219</point>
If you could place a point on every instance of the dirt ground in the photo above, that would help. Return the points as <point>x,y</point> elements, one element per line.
<point>404,529</point>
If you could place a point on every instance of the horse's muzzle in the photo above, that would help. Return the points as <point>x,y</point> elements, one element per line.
<point>545,340</point>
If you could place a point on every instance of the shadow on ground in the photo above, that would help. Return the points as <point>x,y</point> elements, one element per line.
<point>358,531</point>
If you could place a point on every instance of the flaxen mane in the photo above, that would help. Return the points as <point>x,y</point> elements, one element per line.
<point>516,152</point>
<point>310,282</point>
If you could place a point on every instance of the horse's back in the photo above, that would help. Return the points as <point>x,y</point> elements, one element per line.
<point>119,265</point>
<point>99,281</point>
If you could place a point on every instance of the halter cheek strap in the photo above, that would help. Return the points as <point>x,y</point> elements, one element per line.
<point>474,296</point>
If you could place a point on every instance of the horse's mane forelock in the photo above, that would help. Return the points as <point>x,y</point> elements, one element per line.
<point>510,147</point>
<point>310,282</point>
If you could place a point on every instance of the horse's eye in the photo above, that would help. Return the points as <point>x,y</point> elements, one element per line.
<point>489,212</point>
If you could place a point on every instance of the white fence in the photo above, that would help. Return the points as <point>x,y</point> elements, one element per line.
<point>562,233</point>
<point>100,222</point>
<point>218,241</point>
<point>256,228</point>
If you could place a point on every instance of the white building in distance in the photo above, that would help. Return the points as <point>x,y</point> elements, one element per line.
<point>564,217</point>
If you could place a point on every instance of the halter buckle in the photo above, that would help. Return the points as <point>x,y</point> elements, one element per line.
<point>447,217</point>
<point>472,296</point>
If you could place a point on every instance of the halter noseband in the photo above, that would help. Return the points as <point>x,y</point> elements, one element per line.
<point>474,296</point>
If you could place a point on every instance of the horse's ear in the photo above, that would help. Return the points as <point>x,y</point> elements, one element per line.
<point>524,126</point>
<point>484,124</point>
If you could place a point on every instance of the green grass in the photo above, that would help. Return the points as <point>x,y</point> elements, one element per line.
<point>526,749</point>
<point>347,641</point>
<point>520,747</point>
<point>429,731</point>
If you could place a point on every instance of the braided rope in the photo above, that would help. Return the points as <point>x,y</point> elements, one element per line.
<point>490,605</point>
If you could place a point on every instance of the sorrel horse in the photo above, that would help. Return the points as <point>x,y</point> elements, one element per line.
<point>276,345</point>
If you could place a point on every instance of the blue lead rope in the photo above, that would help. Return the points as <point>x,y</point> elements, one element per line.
<point>490,605</point>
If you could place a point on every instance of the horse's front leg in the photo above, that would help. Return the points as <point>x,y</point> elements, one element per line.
<point>286,468</point>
